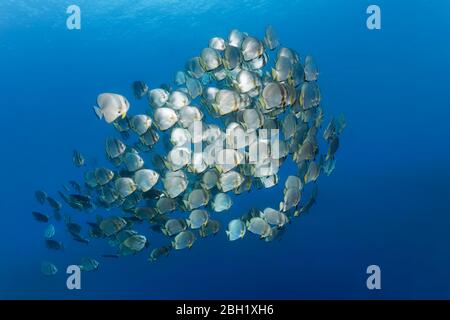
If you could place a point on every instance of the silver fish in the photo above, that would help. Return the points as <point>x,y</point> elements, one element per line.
<point>111,106</point>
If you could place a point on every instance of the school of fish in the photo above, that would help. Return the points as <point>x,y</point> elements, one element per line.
<point>239,97</point>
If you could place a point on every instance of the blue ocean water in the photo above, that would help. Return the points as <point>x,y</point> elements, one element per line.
<point>387,202</point>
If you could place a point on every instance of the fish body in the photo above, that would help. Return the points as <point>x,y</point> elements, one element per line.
<point>111,106</point>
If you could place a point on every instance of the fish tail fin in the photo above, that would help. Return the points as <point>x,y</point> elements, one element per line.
<point>98,112</point>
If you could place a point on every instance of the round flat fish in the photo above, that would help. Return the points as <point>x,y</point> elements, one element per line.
<point>49,232</point>
<point>146,179</point>
<point>48,269</point>
<point>111,106</point>
<point>174,226</point>
<point>198,219</point>
<point>140,123</point>
<point>165,118</point>
<point>183,240</point>
<point>221,202</point>
<point>236,230</point>
<point>259,227</point>
<point>125,186</point>
<point>112,225</point>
